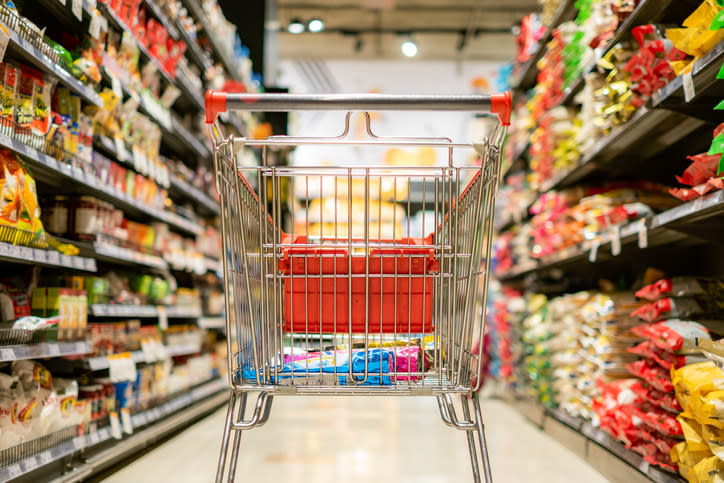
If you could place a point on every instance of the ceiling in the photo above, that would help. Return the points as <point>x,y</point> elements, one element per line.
<point>375,29</point>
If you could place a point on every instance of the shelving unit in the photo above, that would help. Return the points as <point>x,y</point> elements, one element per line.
<point>596,447</point>
<point>68,456</point>
<point>651,146</point>
<point>178,412</point>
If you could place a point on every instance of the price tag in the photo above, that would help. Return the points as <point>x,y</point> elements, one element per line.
<point>89,265</point>
<point>95,24</point>
<point>115,425</point>
<point>40,255</point>
<point>593,255</point>
<point>116,86</point>
<point>77,7</point>
<point>30,464</point>
<point>616,241</point>
<point>14,471</point>
<point>53,257</point>
<point>53,350</point>
<point>7,354</point>
<point>79,442</point>
<point>78,263</point>
<point>689,90</point>
<point>45,457</point>
<point>126,420</point>
<point>62,2</point>
<point>66,261</point>
<point>121,151</point>
<point>162,317</point>
<point>643,234</point>
<point>4,39</point>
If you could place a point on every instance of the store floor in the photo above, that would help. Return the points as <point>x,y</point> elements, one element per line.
<point>360,439</point>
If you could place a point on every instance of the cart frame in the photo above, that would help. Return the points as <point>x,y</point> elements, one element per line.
<point>408,309</point>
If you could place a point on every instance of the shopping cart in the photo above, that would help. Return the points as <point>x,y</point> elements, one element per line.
<point>363,295</point>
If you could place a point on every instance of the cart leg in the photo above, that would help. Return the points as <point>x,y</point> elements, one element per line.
<point>481,436</point>
<point>465,401</point>
<point>225,438</point>
<point>237,440</point>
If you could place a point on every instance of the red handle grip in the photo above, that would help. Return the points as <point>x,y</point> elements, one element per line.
<point>502,105</point>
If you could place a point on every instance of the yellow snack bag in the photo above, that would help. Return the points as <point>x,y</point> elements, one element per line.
<point>696,379</point>
<point>692,432</point>
<point>709,470</point>
<point>686,460</point>
<point>714,437</point>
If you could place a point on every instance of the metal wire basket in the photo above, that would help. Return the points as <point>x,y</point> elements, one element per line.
<point>394,310</point>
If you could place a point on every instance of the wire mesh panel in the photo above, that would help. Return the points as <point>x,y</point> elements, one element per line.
<point>361,294</point>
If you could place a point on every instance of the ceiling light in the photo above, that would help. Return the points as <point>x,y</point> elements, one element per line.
<point>409,48</point>
<point>315,25</point>
<point>295,26</point>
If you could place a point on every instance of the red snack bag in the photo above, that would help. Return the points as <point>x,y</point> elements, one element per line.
<point>653,374</point>
<point>700,170</point>
<point>673,335</point>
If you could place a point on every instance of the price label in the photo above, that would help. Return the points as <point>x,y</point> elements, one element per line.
<point>126,421</point>
<point>79,442</point>
<point>90,265</point>
<point>66,261</point>
<point>689,90</point>
<point>78,263</point>
<point>30,464</point>
<point>115,425</point>
<point>62,2</point>
<point>593,255</point>
<point>39,255</point>
<point>116,86</point>
<point>616,241</point>
<point>643,234</point>
<point>45,457</point>
<point>53,349</point>
<point>77,8</point>
<point>95,24</point>
<point>14,471</point>
<point>4,40</point>
<point>53,257</point>
<point>162,317</point>
<point>7,354</point>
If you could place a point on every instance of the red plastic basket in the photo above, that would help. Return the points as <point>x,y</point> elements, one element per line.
<point>397,295</point>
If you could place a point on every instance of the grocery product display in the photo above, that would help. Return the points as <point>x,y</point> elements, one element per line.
<point>601,320</point>
<point>111,301</point>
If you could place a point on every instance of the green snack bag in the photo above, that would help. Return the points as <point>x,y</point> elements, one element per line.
<point>717,145</point>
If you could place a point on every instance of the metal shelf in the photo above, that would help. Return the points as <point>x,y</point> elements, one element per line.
<point>28,52</point>
<point>201,58</point>
<point>141,311</point>
<point>598,448</point>
<point>43,350</point>
<point>528,71</point>
<point>164,419</point>
<point>694,218</point>
<point>161,17</point>
<point>47,258</point>
<point>203,200</point>
<point>211,322</point>
<point>195,9</point>
<point>116,254</point>
<point>100,363</point>
<point>645,12</point>
<point>55,172</point>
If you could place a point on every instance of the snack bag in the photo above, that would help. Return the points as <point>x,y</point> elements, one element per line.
<point>682,287</point>
<point>696,380</point>
<point>11,78</point>
<point>673,335</point>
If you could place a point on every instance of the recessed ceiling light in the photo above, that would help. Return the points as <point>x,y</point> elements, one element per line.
<point>409,48</point>
<point>295,26</point>
<point>316,25</point>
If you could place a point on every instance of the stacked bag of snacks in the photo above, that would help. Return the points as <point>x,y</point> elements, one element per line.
<point>606,335</point>
<point>503,330</point>
<point>705,173</point>
<point>700,392</point>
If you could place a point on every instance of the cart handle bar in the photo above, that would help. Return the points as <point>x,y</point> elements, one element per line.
<point>218,102</point>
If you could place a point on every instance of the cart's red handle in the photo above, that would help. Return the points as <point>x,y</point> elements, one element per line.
<point>218,102</point>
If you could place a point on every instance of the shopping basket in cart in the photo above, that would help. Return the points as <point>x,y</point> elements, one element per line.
<point>379,286</point>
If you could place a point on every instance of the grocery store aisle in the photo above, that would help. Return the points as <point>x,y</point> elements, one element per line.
<point>332,440</point>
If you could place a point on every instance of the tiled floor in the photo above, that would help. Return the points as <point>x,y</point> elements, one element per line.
<point>359,439</point>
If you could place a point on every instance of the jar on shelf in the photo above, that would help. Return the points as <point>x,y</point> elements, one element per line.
<point>56,216</point>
